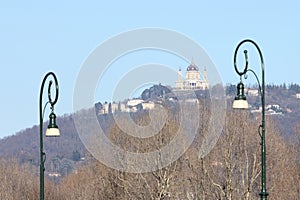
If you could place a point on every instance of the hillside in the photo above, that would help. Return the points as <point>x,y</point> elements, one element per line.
<point>66,153</point>
<point>62,153</point>
<point>231,168</point>
<point>282,104</point>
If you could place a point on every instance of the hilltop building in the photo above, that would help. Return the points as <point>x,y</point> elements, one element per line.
<point>192,79</point>
<point>158,93</point>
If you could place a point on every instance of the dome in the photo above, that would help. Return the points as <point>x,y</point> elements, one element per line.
<point>192,67</point>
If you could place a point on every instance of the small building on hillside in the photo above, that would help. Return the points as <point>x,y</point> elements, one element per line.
<point>253,92</point>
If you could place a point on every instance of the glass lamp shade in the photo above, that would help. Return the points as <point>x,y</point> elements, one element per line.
<point>52,130</point>
<point>240,104</point>
<point>240,100</point>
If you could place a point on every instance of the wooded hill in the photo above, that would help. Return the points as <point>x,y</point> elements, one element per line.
<point>230,171</point>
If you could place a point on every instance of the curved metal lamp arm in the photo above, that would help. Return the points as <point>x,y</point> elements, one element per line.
<point>234,61</point>
<point>263,194</point>
<point>52,103</point>
<point>246,57</point>
<point>49,90</point>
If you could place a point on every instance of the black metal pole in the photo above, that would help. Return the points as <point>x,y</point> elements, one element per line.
<point>263,194</point>
<point>52,103</point>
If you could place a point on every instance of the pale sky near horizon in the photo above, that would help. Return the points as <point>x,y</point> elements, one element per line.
<point>41,36</point>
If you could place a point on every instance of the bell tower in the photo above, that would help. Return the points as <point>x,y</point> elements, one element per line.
<point>205,75</point>
<point>179,82</point>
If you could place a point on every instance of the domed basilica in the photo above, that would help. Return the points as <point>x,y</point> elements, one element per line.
<point>192,79</point>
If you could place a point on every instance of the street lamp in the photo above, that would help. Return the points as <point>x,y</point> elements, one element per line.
<point>241,102</point>
<point>52,129</point>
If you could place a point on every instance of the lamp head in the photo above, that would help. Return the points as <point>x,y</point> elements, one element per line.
<point>52,130</point>
<point>240,100</point>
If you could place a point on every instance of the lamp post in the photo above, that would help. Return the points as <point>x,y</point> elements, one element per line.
<point>241,102</point>
<point>52,129</point>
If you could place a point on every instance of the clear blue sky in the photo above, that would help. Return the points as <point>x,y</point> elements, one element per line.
<point>41,36</point>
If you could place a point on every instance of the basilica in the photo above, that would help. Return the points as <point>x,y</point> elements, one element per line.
<point>192,80</point>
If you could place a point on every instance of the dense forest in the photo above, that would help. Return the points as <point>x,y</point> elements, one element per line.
<point>231,170</point>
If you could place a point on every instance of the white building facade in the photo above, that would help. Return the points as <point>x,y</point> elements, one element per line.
<point>192,80</point>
